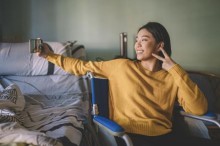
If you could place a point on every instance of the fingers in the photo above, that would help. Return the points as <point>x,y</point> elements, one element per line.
<point>164,52</point>
<point>158,57</point>
<point>43,51</point>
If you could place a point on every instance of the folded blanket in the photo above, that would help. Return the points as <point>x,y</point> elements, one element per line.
<point>11,97</point>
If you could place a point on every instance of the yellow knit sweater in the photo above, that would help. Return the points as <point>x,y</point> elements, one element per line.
<point>141,101</point>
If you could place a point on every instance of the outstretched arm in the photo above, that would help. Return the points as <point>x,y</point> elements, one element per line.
<point>76,66</point>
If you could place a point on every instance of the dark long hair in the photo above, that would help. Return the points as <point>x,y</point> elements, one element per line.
<point>160,34</point>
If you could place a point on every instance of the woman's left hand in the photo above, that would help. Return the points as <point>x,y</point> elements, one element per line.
<point>168,63</point>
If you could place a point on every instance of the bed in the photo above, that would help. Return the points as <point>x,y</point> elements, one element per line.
<point>40,104</point>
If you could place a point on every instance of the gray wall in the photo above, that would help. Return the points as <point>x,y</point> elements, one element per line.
<point>194,25</point>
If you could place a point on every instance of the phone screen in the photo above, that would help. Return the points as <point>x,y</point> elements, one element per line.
<point>35,45</point>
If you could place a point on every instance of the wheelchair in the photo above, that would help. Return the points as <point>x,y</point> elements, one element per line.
<point>108,129</point>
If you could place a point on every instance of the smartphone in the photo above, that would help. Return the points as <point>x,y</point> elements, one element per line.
<point>35,45</point>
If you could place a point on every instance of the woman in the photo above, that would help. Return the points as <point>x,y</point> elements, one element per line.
<point>142,93</point>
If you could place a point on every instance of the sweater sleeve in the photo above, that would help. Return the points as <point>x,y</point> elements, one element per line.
<point>189,95</point>
<point>80,67</point>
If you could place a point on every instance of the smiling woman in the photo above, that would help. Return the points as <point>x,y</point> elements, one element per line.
<point>147,107</point>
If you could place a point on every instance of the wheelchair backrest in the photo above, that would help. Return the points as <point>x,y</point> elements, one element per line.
<point>100,92</point>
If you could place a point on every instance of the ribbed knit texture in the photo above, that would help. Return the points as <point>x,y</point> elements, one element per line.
<point>140,100</point>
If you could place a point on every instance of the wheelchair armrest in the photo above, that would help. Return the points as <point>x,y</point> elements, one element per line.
<point>112,127</point>
<point>208,117</point>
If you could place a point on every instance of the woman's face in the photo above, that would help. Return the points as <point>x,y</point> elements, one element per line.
<point>145,45</point>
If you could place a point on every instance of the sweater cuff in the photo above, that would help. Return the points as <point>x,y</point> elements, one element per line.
<point>177,71</point>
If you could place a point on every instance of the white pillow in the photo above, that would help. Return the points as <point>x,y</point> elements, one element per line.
<point>11,98</point>
<point>15,58</point>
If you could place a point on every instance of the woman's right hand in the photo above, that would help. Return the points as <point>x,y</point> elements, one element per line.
<point>168,62</point>
<point>44,51</point>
